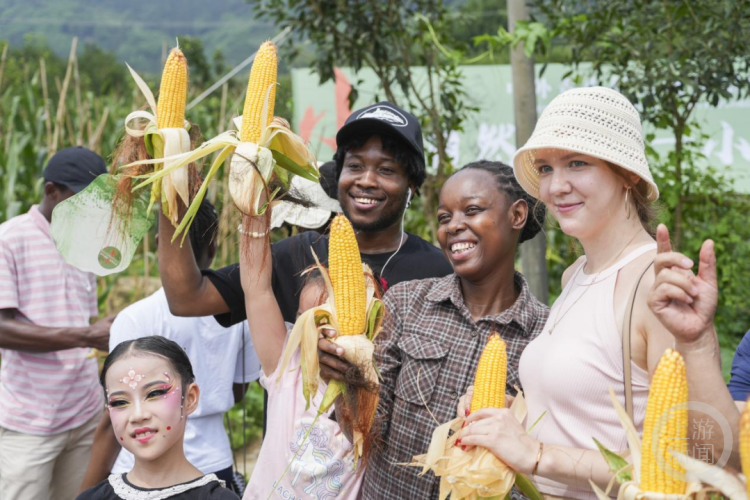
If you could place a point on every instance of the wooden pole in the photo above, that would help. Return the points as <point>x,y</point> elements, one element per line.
<point>61,103</point>
<point>533,252</point>
<point>45,95</point>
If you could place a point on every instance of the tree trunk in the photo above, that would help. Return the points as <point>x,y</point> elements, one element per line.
<point>533,252</point>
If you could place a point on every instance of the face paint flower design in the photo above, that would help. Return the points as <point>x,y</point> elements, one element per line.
<point>131,379</point>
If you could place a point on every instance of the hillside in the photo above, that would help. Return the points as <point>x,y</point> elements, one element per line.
<point>135,31</point>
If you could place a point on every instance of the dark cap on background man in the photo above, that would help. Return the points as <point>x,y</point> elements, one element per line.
<point>384,117</point>
<point>74,168</point>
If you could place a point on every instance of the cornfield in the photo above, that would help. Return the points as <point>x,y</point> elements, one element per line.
<point>47,104</point>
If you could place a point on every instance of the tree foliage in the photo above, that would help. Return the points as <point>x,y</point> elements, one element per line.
<point>106,97</point>
<point>391,38</point>
<point>666,56</point>
<point>669,57</point>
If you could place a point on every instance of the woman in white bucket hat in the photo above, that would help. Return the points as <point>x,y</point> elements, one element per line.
<point>586,162</point>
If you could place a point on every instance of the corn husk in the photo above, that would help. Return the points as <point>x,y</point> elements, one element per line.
<point>249,173</point>
<point>472,474</point>
<point>162,143</point>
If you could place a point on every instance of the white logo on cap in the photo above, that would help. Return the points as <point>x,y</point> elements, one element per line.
<point>386,114</point>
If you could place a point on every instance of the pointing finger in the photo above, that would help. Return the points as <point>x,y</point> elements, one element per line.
<point>662,239</point>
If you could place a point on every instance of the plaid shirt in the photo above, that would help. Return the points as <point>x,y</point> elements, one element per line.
<point>427,355</point>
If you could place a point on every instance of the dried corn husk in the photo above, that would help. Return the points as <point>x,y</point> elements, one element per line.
<point>472,474</point>
<point>162,143</point>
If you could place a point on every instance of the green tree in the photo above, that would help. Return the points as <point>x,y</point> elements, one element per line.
<point>666,56</point>
<point>476,18</point>
<point>391,38</point>
<point>102,72</point>
<point>200,68</point>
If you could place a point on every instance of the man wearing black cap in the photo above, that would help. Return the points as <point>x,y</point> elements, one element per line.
<point>50,399</point>
<point>380,167</point>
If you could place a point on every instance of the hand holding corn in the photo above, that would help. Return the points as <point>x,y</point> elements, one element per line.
<point>332,365</point>
<point>685,304</point>
<point>498,430</point>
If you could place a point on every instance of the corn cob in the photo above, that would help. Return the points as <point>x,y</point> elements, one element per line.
<point>347,278</point>
<point>745,444</point>
<point>262,77</point>
<point>489,381</point>
<point>668,388</point>
<point>170,110</point>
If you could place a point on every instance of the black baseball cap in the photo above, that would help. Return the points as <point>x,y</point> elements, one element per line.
<point>383,117</point>
<point>74,168</point>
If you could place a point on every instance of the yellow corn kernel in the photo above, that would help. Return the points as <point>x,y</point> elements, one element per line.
<point>745,443</point>
<point>491,375</point>
<point>170,110</point>
<point>262,77</point>
<point>347,277</point>
<point>668,388</point>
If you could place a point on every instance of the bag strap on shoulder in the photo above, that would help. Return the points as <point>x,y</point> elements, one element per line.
<point>626,357</point>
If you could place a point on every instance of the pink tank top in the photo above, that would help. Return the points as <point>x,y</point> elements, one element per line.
<point>568,372</point>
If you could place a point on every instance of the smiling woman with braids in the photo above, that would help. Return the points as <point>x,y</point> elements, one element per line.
<point>437,328</point>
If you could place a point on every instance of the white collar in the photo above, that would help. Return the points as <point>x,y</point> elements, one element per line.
<point>127,492</point>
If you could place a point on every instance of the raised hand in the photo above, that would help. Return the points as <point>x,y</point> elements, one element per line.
<point>684,303</point>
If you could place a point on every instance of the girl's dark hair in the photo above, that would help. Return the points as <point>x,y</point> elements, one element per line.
<point>412,162</point>
<point>314,277</point>
<point>157,346</point>
<point>507,183</point>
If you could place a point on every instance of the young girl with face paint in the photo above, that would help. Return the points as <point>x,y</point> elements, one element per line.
<point>150,390</point>
<point>289,466</point>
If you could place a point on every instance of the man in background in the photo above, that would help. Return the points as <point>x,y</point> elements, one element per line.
<point>50,397</point>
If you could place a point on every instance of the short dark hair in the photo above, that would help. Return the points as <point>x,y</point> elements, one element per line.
<point>508,183</point>
<point>60,187</point>
<point>158,346</point>
<point>204,227</point>
<point>412,162</point>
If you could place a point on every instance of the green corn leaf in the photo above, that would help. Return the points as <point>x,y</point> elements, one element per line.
<point>376,311</point>
<point>524,484</point>
<point>307,171</point>
<point>616,463</point>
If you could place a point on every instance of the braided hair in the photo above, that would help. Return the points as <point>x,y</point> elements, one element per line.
<point>508,184</point>
<point>203,229</point>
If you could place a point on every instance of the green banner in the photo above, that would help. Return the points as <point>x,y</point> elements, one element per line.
<point>490,133</point>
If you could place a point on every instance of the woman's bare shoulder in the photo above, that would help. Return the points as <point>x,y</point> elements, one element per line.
<point>568,273</point>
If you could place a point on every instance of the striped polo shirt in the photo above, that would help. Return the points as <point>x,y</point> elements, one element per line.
<point>44,393</point>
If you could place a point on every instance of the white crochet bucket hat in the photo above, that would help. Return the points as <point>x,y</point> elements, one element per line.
<point>596,121</point>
